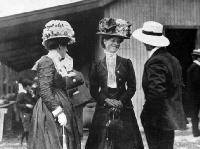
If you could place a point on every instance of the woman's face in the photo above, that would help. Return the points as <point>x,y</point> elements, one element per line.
<point>62,50</point>
<point>112,44</point>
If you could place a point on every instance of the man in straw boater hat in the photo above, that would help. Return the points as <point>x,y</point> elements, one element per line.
<point>113,84</point>
<point>193,79</point>
<point>162,84</point>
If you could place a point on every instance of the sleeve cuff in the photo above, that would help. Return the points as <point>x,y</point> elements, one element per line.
<point>57,111</point>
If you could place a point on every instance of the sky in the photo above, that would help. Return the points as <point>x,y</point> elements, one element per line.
<point>11,7</point>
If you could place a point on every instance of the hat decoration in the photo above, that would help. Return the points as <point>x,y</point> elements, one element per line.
<point>58,29</point>
<point>151,33</point>
<point>114,27</point>
<point>196,52</point>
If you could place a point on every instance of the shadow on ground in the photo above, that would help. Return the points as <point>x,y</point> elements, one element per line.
<point>183,140</point>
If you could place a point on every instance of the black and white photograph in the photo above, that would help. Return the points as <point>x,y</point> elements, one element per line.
<point>99,74</point>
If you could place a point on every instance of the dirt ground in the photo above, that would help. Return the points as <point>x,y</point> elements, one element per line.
<point>183,140</point>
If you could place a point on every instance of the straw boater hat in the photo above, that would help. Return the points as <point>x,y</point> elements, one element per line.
<point>58,29</point>
<point>114,27</point>
<point>196,52</point>
<point>152,34</point>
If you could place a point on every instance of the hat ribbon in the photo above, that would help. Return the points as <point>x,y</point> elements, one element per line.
<point>151,33</point>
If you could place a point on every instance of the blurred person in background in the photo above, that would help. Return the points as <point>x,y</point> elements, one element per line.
<point>79,97</point>
<point>25,104</point>
<point>193,79</point>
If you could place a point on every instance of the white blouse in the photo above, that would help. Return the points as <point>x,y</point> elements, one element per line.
<point>111,64</point>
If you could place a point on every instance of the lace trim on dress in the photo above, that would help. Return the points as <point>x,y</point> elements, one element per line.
<point>62,67</point>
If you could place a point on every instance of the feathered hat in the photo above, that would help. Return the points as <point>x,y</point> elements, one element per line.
<point>114,27</point>
<point>58,29</point>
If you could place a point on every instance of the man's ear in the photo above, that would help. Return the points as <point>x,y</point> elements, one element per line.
<point>59,47</point>
<point>104,40</point>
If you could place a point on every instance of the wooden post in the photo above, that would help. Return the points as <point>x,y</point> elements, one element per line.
<point>8,118</point>
<point>3,111</point>
<point>197,44</point>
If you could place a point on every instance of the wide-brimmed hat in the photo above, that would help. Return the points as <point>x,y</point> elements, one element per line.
<point>152,34</point>
<point>58,29</point>
<point>114,27</point>
<point>196,52</point>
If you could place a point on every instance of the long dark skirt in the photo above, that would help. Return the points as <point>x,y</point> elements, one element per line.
<point>46,133</point>
<point>128,137</point>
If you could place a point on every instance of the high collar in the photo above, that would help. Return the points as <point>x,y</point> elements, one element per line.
<point>110,55</point>
<point>153,51</point>
<point>118,62</point>
<point>160,50</point>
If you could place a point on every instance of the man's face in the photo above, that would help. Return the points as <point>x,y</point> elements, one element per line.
<point>28,88</point>
<point>148,47</point>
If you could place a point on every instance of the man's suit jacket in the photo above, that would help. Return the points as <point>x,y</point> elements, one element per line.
<point>125,76</point>
<point>162,85</point>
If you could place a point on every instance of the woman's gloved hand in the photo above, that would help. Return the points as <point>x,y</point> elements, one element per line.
<point>62,119</point>
<point>114,103</point>
<point>29,106</point>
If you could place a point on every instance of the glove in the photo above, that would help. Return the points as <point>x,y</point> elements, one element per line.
<point>62,119</point>
<point>29,106</point>
<point>114,103</point>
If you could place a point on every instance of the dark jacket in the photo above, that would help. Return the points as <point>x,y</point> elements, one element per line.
<point>22,100</point>
<point>193,79</point>
<point>162,85</point>
<point>98,79</point>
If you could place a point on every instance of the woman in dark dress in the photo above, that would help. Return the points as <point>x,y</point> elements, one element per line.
<point>113,84</point>
<point>53,114</point>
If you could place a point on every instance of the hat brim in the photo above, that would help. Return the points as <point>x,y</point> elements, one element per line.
<point>196,53</point>
<point>117,35</point>
<point>158,41</point>
<point>71,40</point>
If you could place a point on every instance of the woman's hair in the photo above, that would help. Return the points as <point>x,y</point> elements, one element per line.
<point>55,43</point>
<point>106,38</point>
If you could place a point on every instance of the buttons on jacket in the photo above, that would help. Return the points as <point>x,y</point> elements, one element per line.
<point>118,71</point>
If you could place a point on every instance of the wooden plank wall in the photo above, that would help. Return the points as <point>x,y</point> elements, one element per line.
<point>168,12</point>
<point>7,76</point>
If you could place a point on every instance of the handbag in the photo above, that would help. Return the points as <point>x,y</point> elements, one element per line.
<point>73,82</point>
<point>114,124</point>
